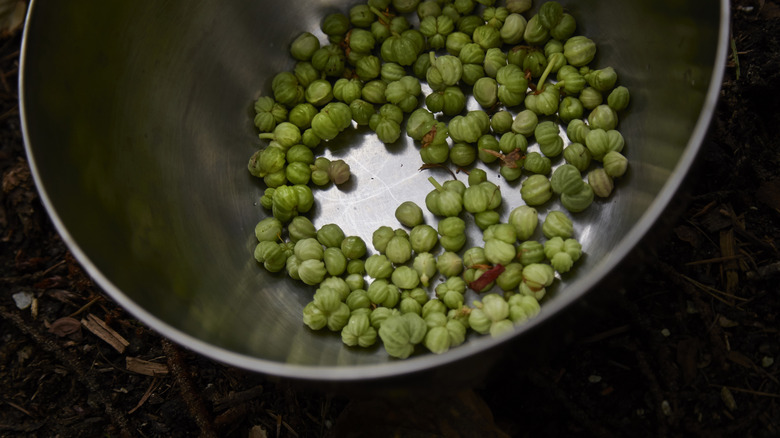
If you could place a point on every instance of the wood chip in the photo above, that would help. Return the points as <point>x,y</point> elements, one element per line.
<point>104,332</point>
<point>728,250</point>
<point>728,398</point>
<point>145,367</point>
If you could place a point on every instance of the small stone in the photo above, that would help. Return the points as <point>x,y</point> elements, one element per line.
<point>767,361</point>
<point>23,300</point>
<point>666,408</point>
<point>728,398</point>
<point>594,378</point>
<point>666,333</point>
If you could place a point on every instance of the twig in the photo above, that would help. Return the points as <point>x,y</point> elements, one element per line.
<point>10,113</point>
<point>714,260</point>
<point>280,423</point>
<point>748,391</point>
<point>12,55</point>
<point>85,306</point>
<point>19,408</point>
<point>735,56</point>
<point>74,364</point>
<point>152,386</point>
<point>194,402</point>
<point>712,291</point>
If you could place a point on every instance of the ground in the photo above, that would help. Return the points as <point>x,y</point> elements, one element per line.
<point>692,350</point>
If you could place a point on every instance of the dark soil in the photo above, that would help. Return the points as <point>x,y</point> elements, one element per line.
<point>693,350</point>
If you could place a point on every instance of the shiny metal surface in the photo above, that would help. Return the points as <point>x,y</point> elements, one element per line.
<point>137,122</point>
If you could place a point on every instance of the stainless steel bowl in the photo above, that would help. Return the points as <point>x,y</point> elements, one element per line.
<point>137,119</point>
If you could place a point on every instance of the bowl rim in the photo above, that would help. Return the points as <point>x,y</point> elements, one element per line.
<point>391,368</point>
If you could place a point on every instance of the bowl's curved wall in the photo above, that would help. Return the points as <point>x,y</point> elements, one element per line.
<point>137,120</point>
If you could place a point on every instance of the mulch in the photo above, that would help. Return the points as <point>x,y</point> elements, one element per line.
<point>692,349</point>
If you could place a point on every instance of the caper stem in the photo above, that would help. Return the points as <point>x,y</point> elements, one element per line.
<point>436,184</point>
<point>543,78</point>
<point>383,18</point>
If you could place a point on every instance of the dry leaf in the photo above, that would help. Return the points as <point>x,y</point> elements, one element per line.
<point>687,234</point>
<point>66,326</point>
<point>12,14</point>
<point>257,432</point>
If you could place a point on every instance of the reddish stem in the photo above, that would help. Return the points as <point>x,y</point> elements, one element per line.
<point>485,279</point>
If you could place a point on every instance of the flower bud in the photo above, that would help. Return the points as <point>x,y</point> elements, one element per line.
<point>570,108</point>
<point>353,247</point>
<point>335,24</point>
<point>600,182</point>
<point>577,131</point>
<point>565,27</point>
<point>603,117</point>
<point>512,30</point>
<point>330,59</point>
<point>557,224</point>
<point>538,275</point>
<point>361,16</point>
<point>319,92</point>
<point>362,111</point>
<point>518,6</point>
<point>536,190</point>
<point>330,235</point>
<point>312,271</point>
<point>525,122</point>
<point>579,201</point>
<point>423,238</point>
<point>495,58</point>
<point>579,50</point>
<point>485,92</point>
<point>524,219</point>
<point>445,71</point>
<point>571,80</point>
<point>602,80</point>
<point>537,163</point>
<point>501,122</point>
<point>378,266</point>
<point>566,179</point>
<point>487,37</point>
<point>550,14</point>
<point>302,114</point>
<point>511,277</point>
<point>618,98</point>
<point>591,98</point>
<point>530,252</point>
<point>499,252</point>
<point>522,307</point>
<point>456,41</point>
<point>304,46</point>
<point>374,92</point>
<point>535,33</point>
<point>400,333</point>
<point>359,331</point>
<point>615,164</point>
<point>406,277</point>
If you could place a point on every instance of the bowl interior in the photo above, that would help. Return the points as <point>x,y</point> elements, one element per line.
<point>138,123</point>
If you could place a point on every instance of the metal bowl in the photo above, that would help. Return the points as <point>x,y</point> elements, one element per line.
<point>137,119</point>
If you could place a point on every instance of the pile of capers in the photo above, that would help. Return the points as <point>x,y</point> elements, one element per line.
<point>372,70</point>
